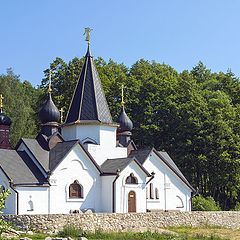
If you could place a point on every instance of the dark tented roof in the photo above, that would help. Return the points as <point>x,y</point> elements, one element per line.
<point>20,168</point>
<point>89,101</point>
<point>112,166</point>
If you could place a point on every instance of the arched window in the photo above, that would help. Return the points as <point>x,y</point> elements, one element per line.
<point>131,179</point>
<point>156,193</point>
<point>75,190</point>
<point>151,191</point>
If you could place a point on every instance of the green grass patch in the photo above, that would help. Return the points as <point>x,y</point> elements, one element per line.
<point>183,233</point>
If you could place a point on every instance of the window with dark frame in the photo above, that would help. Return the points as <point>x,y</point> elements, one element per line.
<point>156,193</point>
<point>131,179</point>
<point>151,191</point>
<point>75,190</point>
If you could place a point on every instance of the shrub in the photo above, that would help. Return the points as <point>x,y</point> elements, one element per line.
<point>199,203</point>
<point>237,207</point>
<point>71,231</point>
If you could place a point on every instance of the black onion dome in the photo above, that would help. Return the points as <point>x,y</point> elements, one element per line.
<point>49,112</point>
<point>4,119</point>
<point>125,122</point>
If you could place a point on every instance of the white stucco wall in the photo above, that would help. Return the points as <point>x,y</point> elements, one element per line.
<point>107,190</point>
<point>103,135</point>
<point>174,194</point>
<point>11,201</point>
<point>123,189</point>
<point>75,166</point>
<point>32,200</point>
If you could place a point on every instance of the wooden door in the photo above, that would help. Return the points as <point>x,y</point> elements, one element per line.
<point>131,201</point>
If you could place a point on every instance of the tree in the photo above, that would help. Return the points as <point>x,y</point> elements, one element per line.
<point>20,105</point>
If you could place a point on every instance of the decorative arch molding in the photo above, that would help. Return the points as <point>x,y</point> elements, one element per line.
<point>179,202</point>
<point>80,163</point>
<point>89,140</point>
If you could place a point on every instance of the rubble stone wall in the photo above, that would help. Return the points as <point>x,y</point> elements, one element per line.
<point>123,222</point>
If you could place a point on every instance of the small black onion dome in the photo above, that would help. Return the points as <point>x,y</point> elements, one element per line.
<point>4,119</point>
<point>125,122</point>
<point>49,112</point>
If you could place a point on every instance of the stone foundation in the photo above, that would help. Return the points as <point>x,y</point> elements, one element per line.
<point>123,222</point>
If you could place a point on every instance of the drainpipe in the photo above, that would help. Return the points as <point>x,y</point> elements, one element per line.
<point>17,195</point>
<point>150,179</point>
<point>114,190</point>
<point>165,194</point>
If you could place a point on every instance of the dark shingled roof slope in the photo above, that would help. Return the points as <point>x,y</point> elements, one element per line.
<point>89,102</point>
<point>111,166</point>
<point>59,152</point>
<point>39,153</point>
<point>50,159</point>
<point>20,168</point>
<point>142,154</point>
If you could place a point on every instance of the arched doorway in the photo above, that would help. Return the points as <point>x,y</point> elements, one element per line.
<point>131,201</point>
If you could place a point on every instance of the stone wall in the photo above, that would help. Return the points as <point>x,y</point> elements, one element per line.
<point>124,222</point>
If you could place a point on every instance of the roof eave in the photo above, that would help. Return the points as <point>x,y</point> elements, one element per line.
<point>184,180</point>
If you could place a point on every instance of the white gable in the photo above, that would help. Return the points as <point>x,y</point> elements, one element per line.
<point>123,189</point>
<point>76,165</point>
<point>173,193</point>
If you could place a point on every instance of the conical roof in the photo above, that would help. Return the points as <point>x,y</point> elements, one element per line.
<point>125,122</point>
<point>49,112</point>
<point>89,102</point>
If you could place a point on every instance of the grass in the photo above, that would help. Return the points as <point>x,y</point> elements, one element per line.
<point>183,233</point>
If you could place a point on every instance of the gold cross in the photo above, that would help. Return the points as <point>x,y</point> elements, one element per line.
<point>87,33</point>
<point>50,82</point>
<point>61,114</point>
<point>122,96</point>
<point>1,101</point>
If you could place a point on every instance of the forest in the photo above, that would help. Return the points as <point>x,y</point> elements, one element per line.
<point>193,115</point>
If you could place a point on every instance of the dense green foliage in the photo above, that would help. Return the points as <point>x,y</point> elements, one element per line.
<point>20,104</point>
<point>3,196</point>
<point>200,203</point>
<point>193,115</point>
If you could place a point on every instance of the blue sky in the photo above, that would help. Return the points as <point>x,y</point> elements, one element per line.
<point>177,32</point>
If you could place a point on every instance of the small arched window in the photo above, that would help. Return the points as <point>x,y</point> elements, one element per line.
<point>131,179</point>
<point>75,190</point>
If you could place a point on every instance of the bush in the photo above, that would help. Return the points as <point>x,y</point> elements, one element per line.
<point>199,203</point>
<point>71,231</point>
<point>237,207</point>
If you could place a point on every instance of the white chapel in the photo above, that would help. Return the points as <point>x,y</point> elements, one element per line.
<point>89,163</point>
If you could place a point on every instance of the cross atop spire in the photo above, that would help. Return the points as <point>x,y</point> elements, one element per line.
<point>1,102</point>
<point>122,102</point>
<point>61,114</point>
<point>50,82</point>
<point>87,34</point>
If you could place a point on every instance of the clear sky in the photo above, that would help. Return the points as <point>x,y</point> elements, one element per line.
<point>177,32</point>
